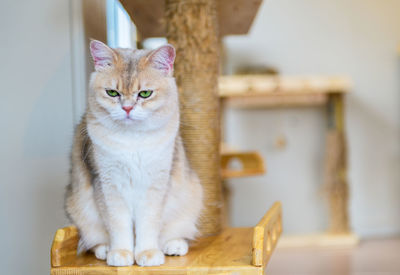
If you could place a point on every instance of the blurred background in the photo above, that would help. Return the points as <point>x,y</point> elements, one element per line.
<point>46,65</point>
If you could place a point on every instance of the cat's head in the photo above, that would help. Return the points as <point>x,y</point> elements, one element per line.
<point>132,87</point>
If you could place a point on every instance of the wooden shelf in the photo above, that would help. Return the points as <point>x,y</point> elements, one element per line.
<point>243,250</point>
<point>234,16</point>
<point>241,164</point>
<point>252,91</point>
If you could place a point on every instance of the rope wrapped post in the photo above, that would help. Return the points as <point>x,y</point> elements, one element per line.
<point>336,166</point>
<point>193,30</point>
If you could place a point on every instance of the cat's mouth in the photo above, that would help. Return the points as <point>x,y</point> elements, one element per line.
<point>128,119</point>
<point>131,118</point>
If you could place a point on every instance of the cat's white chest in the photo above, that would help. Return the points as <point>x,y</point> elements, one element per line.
<point>141,170</point>
<point>134,162</point>
<point>137,167</point>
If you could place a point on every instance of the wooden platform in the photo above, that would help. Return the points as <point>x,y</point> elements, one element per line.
<point>234,16</point>
<point>235,250</point>
<point>227,252</point>
<point>257,91</point>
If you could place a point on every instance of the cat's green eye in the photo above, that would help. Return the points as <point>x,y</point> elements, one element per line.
<point>112,93</point>
<point>145,93</point>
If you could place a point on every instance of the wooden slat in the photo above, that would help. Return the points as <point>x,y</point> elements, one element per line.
<point>234,16</point>
<point>266,235</point>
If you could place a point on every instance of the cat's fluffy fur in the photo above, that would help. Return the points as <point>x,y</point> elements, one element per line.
<point>132,194</point>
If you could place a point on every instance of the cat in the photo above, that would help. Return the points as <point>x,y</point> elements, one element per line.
<point>132,195</point>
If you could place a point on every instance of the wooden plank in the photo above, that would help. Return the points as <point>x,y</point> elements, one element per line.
<point>266,235</point>
<point>249,85</point>
<point>234,16</point>
<point>319,240</point>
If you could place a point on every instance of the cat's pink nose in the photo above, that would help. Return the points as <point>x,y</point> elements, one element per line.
<point>127,109</point>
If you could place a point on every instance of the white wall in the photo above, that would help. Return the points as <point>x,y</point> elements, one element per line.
<point>36,130</point>
<point>43,77</point>
<point>358,38</point>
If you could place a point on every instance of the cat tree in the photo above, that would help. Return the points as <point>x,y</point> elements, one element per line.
<point>273,91</point>
<point>194,28</point>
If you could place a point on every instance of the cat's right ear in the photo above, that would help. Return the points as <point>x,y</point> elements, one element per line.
<point>103,56</point>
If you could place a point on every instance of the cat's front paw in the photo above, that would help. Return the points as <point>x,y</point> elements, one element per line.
<point>151,257</point>
<point>120,257</point>
<point>176,247</point>
<point>100,251</point>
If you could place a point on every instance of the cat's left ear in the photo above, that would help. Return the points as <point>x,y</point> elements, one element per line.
<point>103,56</point>
<point>163,59</point>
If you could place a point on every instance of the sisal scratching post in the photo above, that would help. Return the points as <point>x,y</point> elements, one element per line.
<point>192,29</point>
<point>336,167</point>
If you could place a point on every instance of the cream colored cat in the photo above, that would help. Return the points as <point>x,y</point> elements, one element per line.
<point>132,194</point>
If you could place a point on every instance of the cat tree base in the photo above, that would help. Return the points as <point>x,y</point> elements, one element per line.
<point>243,250</point>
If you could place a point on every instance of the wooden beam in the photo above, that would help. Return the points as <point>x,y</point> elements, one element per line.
<point>335,175</point>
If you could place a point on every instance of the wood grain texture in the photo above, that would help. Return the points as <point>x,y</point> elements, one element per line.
<point>234,16</point>
<point>235,250</point>
<point>250,164</point>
